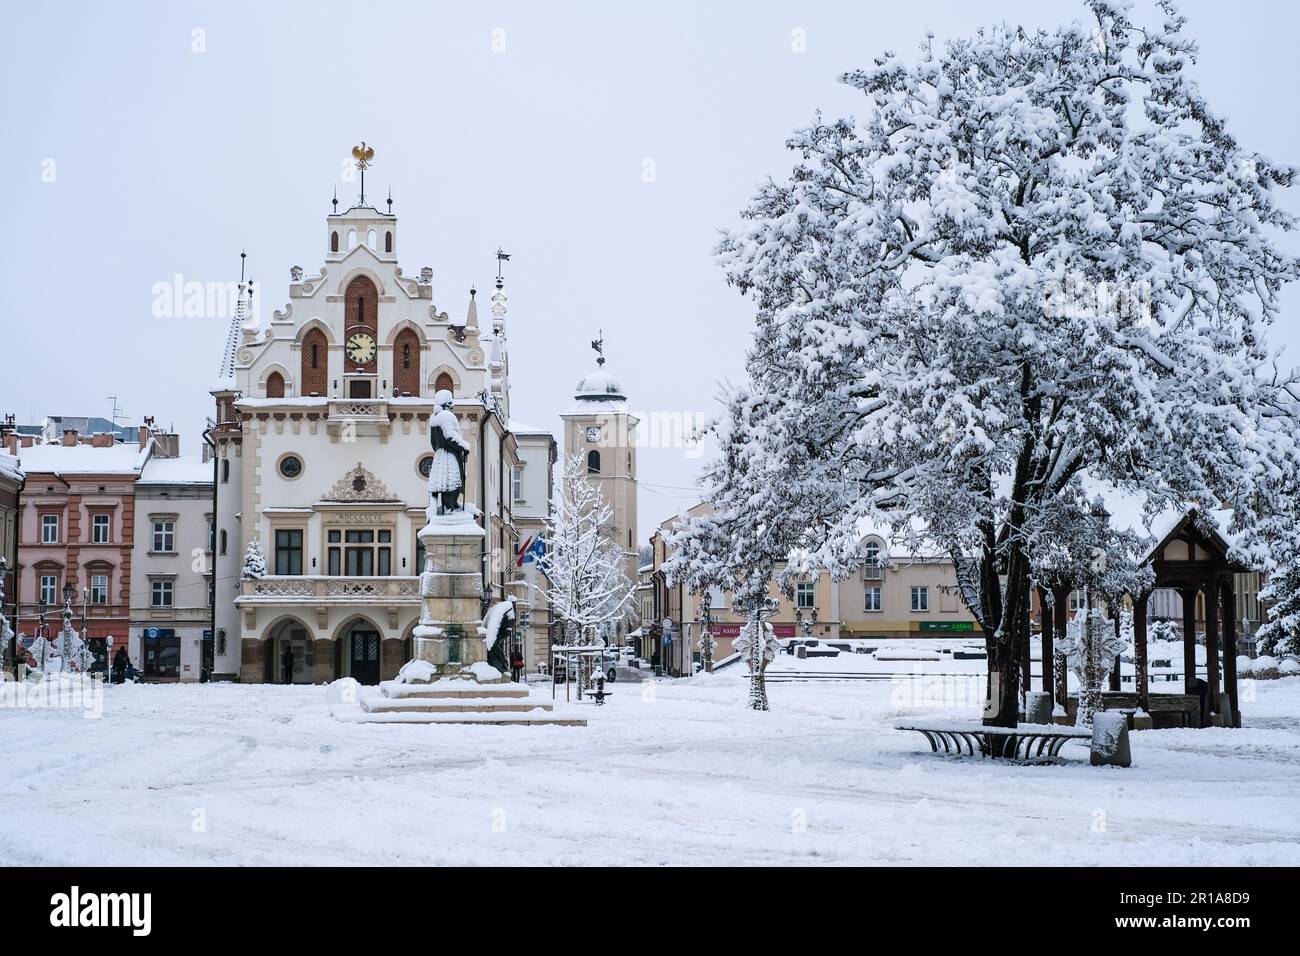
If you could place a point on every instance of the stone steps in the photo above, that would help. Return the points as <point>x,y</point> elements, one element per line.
<point>450,706</point>
<point>433,692</point>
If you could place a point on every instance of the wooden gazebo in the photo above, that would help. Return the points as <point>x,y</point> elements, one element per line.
<point>1192,559</point>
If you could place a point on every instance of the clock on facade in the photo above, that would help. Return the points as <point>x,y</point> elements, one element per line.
<point>360,347</point>
<point>593,433</point>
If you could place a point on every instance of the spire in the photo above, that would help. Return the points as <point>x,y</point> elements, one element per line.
<point>471,314</point>
<point>336,199</point>
<point>390,199</point>
<point>226,372</point>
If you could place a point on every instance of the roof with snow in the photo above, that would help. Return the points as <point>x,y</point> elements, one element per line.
<point>83,459</point>
<point>185,470</point>
<point>9,467</point>
<point>599,386</point>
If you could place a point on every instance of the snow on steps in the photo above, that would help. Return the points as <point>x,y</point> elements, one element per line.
<point>443,702</point>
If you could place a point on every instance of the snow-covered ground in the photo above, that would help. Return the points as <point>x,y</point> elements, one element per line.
<point>665,773</point>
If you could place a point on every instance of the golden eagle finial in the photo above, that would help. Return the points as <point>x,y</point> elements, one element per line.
<point>363,154</point>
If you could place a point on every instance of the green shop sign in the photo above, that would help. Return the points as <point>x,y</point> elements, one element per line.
<point>947,627</point>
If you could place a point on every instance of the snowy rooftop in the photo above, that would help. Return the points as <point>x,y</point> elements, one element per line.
<point>82,459</point>
<point>186,470</point>
<point>599,385</point>
<point>9,467</point>
<point>519,428</point>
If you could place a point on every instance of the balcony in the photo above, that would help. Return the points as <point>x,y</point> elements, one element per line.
<point>320,590</point>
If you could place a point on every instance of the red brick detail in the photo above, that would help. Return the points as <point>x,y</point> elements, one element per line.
<point>406,362</point>
<point>315,364</point>
<point>275,385</point>
<point>361,311</point>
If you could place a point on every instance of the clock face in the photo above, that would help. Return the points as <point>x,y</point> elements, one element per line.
<point>360,347</point>
<point>593,433</point>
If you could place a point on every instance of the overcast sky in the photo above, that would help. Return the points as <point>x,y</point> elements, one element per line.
<point>530,126</point>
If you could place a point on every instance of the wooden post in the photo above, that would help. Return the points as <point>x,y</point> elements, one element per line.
<point>1061,595</point>
<point>1212,641</point>
<point>1229,604</point>
<point>1140,651</point>
<point>1047,623</point>
<point>1189,638</point>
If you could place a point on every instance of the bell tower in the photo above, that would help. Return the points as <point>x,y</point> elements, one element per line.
<point>602,432</point>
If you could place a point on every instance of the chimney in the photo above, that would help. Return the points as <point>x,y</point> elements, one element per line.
<point>167,445</point>
<point>13,443</point>
<point>101,440</point>
<point>144,432</point>
<point>28,440</point>
<point>69,437</point>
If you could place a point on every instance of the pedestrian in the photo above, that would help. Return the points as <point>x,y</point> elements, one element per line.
<point>20,661</point>
<point>120,663</point>
<point>286,663</point>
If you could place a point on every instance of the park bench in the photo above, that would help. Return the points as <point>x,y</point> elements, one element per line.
<point>1027,742</point>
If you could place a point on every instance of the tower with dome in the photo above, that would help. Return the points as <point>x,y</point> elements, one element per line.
<point>599,428</point>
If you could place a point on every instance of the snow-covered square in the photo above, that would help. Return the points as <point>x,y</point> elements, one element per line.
<point>682,774</point>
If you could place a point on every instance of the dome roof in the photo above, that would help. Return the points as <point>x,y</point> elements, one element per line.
<point>600,386</point>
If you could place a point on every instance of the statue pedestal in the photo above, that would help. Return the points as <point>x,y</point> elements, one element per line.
<point>449,636</point>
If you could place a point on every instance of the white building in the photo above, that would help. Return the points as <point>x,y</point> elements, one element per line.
<point>321,438</point>
<point>171,564</point>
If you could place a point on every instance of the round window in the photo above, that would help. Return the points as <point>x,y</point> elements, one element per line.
<point>291,466</point>
<point>425,465</point>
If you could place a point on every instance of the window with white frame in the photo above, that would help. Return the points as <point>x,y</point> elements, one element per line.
<point>517,483</point>
<point>49,589</point>
<point>805,595</point>
<point>161,593</point>
<point>920,598</point>
<point>1077,599</point>
<point>871,598</point>
<point>100,526</point>
<point>164,535</point>
<point>99,589</point>
<point>49,529</point>
<point>872,570</point>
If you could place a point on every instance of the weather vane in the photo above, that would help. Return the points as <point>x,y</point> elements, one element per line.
<point>364,155</point>
<point>502,256</point>
<point>598,344</point>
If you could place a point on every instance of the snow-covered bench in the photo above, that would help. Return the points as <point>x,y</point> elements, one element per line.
<point>1026,742</point>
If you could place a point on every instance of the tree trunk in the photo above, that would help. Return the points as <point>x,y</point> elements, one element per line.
<point>1003,646</point>
<point>758,662</point>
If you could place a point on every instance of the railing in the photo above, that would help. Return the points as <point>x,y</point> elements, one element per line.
<point>359,408</point>
<point>291,587</point>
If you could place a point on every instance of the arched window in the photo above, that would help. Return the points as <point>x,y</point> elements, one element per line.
<point>406,362</point>
<point>593,462</point>
<point>388,242</point>
<point>444,383</point>
<point>371,239</point>
<point>275,385</point>
<point>360,312</point>
<point>334,241</point>
<point>314,371</point>
<point>352,238</point>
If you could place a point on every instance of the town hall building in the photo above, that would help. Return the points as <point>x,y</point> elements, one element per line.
<point>321,437</point>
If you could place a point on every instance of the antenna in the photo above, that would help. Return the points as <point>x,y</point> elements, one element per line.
<point>117,412</point>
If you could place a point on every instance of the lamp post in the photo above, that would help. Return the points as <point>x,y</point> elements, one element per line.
<point>108,658</point>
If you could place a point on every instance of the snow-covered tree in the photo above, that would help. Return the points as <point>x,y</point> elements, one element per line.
<point>254,562</point>
<point>586,577</point>
<point>738,546</point>
<point>1280,634</point>
<point>1037,255</point>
